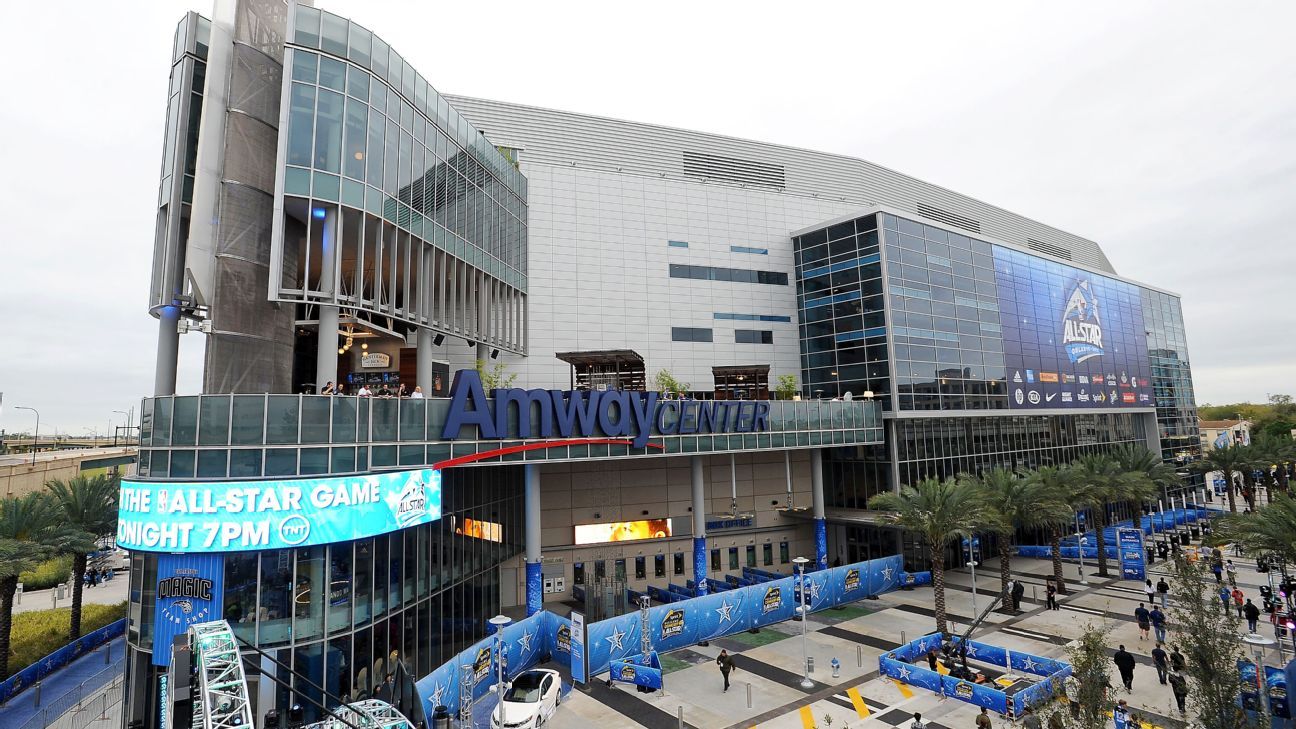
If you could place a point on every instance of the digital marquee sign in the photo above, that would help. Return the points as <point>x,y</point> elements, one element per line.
<point>1071,338</point>
<point>622,531</point>
<point>233,516</point>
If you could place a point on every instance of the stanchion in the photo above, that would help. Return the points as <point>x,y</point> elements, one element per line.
<point>859,655</point>
<point>679,713</point>
<point>749,700</point>
<point>36,697</point>
<point>902,638</point>
<point>107,654</point>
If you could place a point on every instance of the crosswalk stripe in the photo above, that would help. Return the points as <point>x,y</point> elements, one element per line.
<point>860,707</point>
<point>807,718</point>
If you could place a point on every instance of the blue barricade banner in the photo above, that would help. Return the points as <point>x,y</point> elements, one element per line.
<point>1276,686</point>
<point>55,661</point>
<point>1248,685</point>
<point>986,695</point>
<point>1130,542</point>
<point>640,670</point>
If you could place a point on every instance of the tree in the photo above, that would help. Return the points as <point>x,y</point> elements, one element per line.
<point>495,378</point>
<point>1271,530</point>
<point>87,504</point>
<point>665,382</point>
<point>786,388</point>
<point>940,512</point>
<point>1012,502</point>
<point>1102,481</point>
<point>30,532</point>
<point>1208,639</point>
<point>1059,480</point>
<point>1091,666</point>
<point>1226,460</point>
<point>1155,471</point>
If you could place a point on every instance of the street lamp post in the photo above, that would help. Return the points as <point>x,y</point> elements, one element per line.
<point>1080,542</point>
<point>801,563</point>
<point>500,622</point>
<point>36,437</point>
<point>972,564</point>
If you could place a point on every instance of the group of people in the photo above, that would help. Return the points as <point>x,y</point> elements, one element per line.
<point>95,575</point>
<point>378,390</point>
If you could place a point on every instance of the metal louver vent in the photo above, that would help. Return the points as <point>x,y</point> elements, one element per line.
<point>945,216</point>
<point>1049,248</point>
<point>733,169</point>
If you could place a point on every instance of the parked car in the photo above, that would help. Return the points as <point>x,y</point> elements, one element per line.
<point>529,701</point>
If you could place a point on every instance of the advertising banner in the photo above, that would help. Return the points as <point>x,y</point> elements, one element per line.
<point>1276,686</point>
<point>576,647</point>
<point>234,516</point>
<point>1130,542</point>
<point>622,531</point>
<point>640,670</point>
<point>1248,685</point>
<point>190,588</point>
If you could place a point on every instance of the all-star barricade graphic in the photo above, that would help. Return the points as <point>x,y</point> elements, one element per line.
<point>617,643</point>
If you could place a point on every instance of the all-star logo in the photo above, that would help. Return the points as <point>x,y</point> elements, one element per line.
<point>851,582</point>
<point>725,611</point>
<point>615,637</point>
<point>1082,334</point>
<point>773,600</point>
<point>887,573</point>
<point>673,623</point>
<point>411,507</point>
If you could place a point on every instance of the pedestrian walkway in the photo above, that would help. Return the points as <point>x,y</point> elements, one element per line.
<point>105,593</point>
<point>63,690</point>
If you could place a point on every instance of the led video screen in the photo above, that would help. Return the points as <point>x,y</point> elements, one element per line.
<point>623,531</point>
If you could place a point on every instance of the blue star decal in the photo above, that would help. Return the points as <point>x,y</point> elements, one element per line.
<point>725,611</point>
<point>615,638</point>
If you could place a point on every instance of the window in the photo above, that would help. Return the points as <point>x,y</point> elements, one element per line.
<point>679,563</point>
<point>690,334</point>
<point>600,570</point>
<point>752,317</point>
<point>620,569</point>
<point>784,553</point>
<point>748,249</point>
<point>578,573</point>
<point>659,565</point>
<point>753,336</point>
<point>733,558</point>
<point>715,560</point>
<point>767,554</point>
<point>677,243</point>
<point>734,275</point>
<point>751,555</point>
<point>640,568</point>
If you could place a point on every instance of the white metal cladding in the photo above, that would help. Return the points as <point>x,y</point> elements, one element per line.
<point>564,138</point>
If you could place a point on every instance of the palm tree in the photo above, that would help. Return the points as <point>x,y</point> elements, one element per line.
<point>1137,459</point>
<point>1012,502</point>
<point>1102,481</point>
<point>940,512</point>
<point>87,505</point>
<point>1059,481</point>
<point>1266,451</point>
<point>30,532</point>
<point>1227,460</point>
<point>1271,530</point>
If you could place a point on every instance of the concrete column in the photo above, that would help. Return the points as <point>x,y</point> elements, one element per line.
<point>699,525</point>
<point>817,497</point>
<point>168,351</point>
<point>326,356</point>
<point>423,344</point>
<point>534,580</point>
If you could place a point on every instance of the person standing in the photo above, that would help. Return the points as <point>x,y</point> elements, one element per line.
<point>1218,570</point>
<point>1231,572</point>
<point>1019,589</point>
<point>1050,593</point>
<point>983,719</point>
<point>1163,589</point>
<point>1149,590</point>
<point>1161,660</point>
<point>1180,689</point>
<point>726,664</point>
<point>1252,614</point>
<point>1158,623</point>
<point>1238,600</point>
<point>917,722</point>
<point>1144,619</point>
<point>1125,664</point>
<point>931,659</point>
<point>1029,720</point>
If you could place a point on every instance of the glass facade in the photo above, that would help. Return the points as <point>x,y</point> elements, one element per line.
<point>393,203</point>
<point>1176,406</point>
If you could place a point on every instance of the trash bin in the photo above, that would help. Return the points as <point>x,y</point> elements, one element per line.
<point>1183,538</point>
<point>1196,533</point>
<point>440,718</point>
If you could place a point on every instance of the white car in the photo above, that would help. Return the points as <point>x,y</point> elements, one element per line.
<point>530,700</point>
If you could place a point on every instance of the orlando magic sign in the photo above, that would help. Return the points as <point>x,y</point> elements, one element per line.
<point>189,591</point>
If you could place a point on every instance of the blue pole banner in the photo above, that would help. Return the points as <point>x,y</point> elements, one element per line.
<point>1248,685</point>
<point>1130,543</point>
<point>700,564</point>
<point>534,588</point>
<point>237,516</point>
<point>190,589</point>
<point>575,646</point>
<point>1276,686</point>
<point>821,542</point>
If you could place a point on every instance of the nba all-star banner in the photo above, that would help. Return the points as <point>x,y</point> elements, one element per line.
<point>1130,542</point>
<point>640,670</point>
<point>905,664</point>
<point>524,643</point>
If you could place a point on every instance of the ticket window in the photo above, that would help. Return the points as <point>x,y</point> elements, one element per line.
<point>679,563</point>
<point>751,555</point>
<point>600,570</point>
<point>659,565</point>
<point>767,555</point>
<point>640,568</point>
<point>733,558</point>
<point>620,567</point>
<point>715,560</point>
<point>578,573</point>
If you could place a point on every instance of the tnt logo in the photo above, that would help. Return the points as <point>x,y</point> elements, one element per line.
<point>294,530</point>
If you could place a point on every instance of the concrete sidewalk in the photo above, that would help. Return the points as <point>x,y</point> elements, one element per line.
<point>106,593</point>
<point>60,691</point>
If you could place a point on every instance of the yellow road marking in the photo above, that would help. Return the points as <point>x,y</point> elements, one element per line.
<point>807,718</point>
<point>941,669</point>
<point>860,707</point>
<point>905,691</point>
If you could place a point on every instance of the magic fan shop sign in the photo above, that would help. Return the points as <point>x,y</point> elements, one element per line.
<point>636,416</point>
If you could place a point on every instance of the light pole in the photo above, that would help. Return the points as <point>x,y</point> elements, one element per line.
<point>500,622</point>
<point>1080,542</point>
<point>801,563</point>
<point>1258,644</point>
<point>972,565</point>
<point>130,420</point>
<point>36,437</point>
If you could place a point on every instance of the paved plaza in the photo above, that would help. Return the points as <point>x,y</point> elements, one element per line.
<point>770,661</point>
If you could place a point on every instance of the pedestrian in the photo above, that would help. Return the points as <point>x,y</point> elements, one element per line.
<point>1231,571</point>
<point>1163,589</point>
<point>1121,715</point>
<point>1158,623</point>
<point>931,659</point>
<point>1125,664</point>
<point>1180,689</point>
<point>1149,590</point>
<point>1144,619</point>
<point>726,663</point>
<point>1029,720</point>
<point>1225,596</point>
<point>1019,589</point>
<point>983,719</point>
<point>1161,660</point>
<point>1238,600</point>
<point>1252,615</point>
<point>1050,593</point>
<point>917,722</point>
<point>1177,662</point>
<point>1009,592</point>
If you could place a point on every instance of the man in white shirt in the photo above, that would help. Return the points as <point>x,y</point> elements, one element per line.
<point>364,391</point>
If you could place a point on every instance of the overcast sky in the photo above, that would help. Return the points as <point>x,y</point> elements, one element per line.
<point>1161,130</point>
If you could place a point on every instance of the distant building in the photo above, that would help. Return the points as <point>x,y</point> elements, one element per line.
<point>1219,433</point>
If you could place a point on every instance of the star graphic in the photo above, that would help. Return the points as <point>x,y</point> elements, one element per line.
<point>615,638</point>
<point>814,590</point>
<point>971,649</point>
<point>525,641</point>
<point>887,572</point>
<point>1030,665</point>
<point>905,673</point>
<point>438,691</point>
<point>725,611</point>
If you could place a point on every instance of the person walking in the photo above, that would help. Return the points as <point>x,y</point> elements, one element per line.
<point>726,664</point>
<point>1163,590</point>
<point>983,719</point>
<point>1217,569</point>
<point>1149,590</point>
<point>1179,687</point>
<point>1231,572</point>
<point>1029,720</point>
<point>1125,664</point>
<point>1144,619</point>
<point>1238,600</point>
<point>1018,590</point>
<point>1158,623</point>
<point>1177,662</point>
<point>1050,594</point>
<point>917,722</point>
<point>1225,597</point>
<point>1252,613</point>
<point>1161,660</point>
